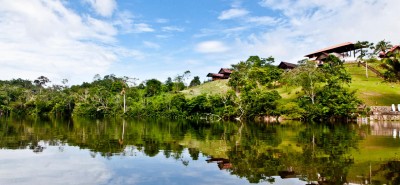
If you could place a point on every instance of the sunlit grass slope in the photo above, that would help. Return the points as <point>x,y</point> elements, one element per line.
<point>373,90</point>
<point>213,87</point>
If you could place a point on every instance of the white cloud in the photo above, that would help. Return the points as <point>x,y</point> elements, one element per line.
<point>124,21</point>
<point>211,47</point>
<point>103,7</point>
<point>232,13</point>
<point>151,45</point>
<point>53,166</point>
<point>142,27</point>
<point>263,20</point>
<point>306,26</point>
<point>172,29</point>
<point>162,21</point>
<point>45,38</point>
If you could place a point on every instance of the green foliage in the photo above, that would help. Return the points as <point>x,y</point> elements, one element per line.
<point>251,80</point>
<point>254,72</point>
<point>382,46</point>
<point>195,81</point>
<point>253,95</point>
<point>153,87</point>
<point>291,110</point>
<point>363,48</point>
<point>324,87</point>
<point>307,76</point>
<point>392,65</point>
<point>336,101</point>
<point>258,102</point>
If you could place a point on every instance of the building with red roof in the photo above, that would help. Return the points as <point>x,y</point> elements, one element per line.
<point>391,52</point>
<point>224,73</point>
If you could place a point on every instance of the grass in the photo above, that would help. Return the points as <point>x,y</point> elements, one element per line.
<point>373,91</point>
<point>213,87</point>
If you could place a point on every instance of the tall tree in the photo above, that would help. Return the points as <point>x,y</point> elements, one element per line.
<point>195,81</point>
<point>153,87</point>
<point>40,82</point>
<point>382,46</point>
<point>308,77</point>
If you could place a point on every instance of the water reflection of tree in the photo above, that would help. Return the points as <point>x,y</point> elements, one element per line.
<point>255,157</point>
<point>252,151</point>
<point>326,152</point>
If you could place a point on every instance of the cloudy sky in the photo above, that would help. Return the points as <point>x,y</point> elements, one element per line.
<point>76,39</point>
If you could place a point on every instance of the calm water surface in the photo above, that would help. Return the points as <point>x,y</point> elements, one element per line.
<point>182,152</point>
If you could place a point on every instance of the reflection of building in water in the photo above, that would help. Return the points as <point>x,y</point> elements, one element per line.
<point>222,163</point>
<point>37,148</point>
<point>385,129</point>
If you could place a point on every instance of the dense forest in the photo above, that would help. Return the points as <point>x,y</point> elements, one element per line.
<point>252,94</point>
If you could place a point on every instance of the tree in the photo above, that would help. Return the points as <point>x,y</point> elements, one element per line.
<point>179,81</point>
<point>195,81</point>
<point>382,46</point>
<point>153,87</point>
<point>255,71</point>
<point>363,47</point>
<point>307,76</point>
<point>41,81</point>
<point>392,66</point>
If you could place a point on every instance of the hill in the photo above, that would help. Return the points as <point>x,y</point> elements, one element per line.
<point>212,87</point>
<point>373,91</point>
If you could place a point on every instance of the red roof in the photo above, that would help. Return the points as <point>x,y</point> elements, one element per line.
<point>394,48</point>
<point>339,48</point>
<point>388,53</point>
<point>225,71</point>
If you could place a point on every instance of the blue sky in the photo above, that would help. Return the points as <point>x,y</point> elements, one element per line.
<point>145,39</point>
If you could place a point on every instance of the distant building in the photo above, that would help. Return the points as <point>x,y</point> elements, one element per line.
<point>393,50</point>
<point>287,66</point>
<point>223,73</point>
<point>344,51</point>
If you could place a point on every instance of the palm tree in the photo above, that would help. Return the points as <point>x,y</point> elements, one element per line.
<point>382,46</point>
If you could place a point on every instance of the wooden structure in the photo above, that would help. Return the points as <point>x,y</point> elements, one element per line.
<point>223,73</point>
<point>343,49</point>
<point>287,66</point>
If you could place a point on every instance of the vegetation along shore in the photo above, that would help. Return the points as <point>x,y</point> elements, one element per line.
<point>321,87</point>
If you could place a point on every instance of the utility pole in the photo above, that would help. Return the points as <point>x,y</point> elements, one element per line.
<point>123,93</point>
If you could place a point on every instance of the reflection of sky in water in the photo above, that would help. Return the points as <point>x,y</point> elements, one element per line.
<point>75,166</point>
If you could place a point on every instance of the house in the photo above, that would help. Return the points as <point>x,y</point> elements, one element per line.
<point>393,50</point>
<point>344,51</point>
<point>286,66</point>
<point>223,73</point>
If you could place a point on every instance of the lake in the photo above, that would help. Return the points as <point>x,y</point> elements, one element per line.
<point>80,151</point>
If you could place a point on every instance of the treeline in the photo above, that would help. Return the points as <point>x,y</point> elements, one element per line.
<point>253,95</point>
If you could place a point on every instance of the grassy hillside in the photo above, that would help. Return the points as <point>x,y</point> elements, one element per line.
<point>213,87</point>
<point>372,90</point>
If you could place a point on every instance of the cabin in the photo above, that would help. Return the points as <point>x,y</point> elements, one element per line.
<point>344,51</point>
<point>390,52</point>
<point>224,73</point>
<point>287,66</point>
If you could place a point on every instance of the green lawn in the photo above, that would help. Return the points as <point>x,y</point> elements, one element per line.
<point>373,90</point>
<point>213,87</point>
